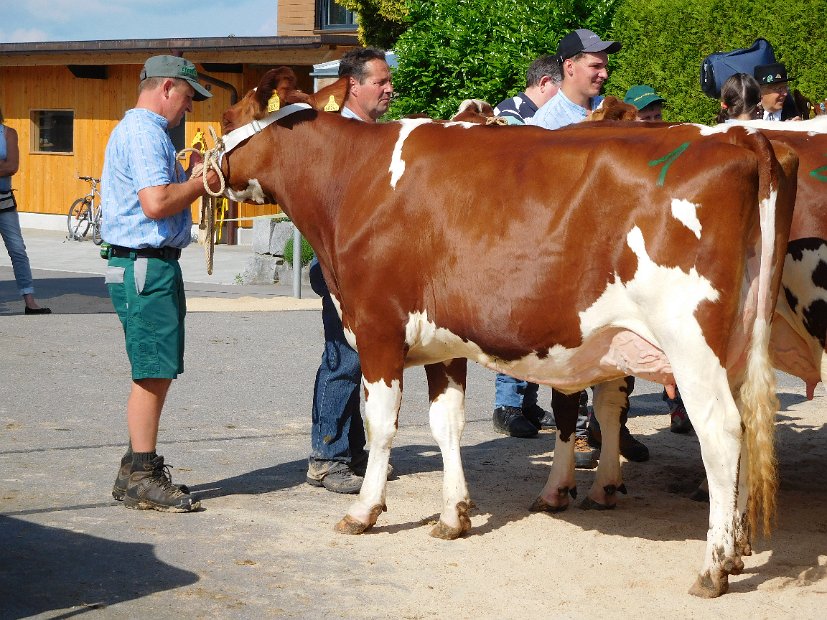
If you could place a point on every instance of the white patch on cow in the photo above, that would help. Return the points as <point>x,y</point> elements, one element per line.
<point>349,335</point>
<point>253,193</point>
<point>643,306</point>
<point>813,126</point>
<point>687,214</point>
<point>397,165</point>
<point>464,124</point>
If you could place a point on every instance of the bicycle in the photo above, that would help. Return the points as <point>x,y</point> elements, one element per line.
<point>85,213</point>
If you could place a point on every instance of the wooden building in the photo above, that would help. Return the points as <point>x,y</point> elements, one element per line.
<point>64,98</point>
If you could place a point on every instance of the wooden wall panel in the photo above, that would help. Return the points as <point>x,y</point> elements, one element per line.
<point>296,18</point>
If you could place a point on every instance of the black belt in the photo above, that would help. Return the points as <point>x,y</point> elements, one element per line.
<point>167,253</point>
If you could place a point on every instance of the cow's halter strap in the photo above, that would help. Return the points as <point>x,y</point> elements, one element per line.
<point>237,136</point>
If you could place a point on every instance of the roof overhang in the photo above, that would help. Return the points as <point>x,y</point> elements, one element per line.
<point>307,50</point>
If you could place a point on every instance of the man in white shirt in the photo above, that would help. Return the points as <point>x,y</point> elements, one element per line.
<point>773,79</point>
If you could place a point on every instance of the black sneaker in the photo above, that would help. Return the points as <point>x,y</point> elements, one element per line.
<point>511,421</point>
<point>536,414</point>
<point>334,476</point>
<point>680,422</point>
<point>152,489</point>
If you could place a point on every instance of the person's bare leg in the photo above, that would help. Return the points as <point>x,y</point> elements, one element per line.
<point>143,412</point>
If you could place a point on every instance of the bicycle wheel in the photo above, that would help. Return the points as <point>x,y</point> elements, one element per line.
<point>96,228</point>
<point>78,220</point>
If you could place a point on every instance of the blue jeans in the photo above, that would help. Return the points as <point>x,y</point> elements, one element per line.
<point>13,238</point>
<point>338,433</point>
<point>511,392</point>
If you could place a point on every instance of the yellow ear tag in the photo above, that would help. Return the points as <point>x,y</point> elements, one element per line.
<point>331,105</point>
<point>274,104</point>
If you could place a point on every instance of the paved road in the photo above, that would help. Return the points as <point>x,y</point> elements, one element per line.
<point>236,428</point>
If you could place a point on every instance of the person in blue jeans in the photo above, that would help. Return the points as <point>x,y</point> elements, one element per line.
<point>10,221</point>
<point>338,458</point>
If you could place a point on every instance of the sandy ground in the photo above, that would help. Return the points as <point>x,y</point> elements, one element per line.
<point>237,428</point>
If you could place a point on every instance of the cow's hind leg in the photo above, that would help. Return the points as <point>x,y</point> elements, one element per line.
<point>610,400</point>
<point>446,388</point>
<point>717,423</point>
<point>382,400</point>
<point>561,482</point>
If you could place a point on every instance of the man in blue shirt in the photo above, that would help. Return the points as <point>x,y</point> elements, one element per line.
<point>146,198</point>
<point>583,59</point>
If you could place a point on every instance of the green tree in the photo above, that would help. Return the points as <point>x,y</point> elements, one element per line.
<point>462,49</point>
<point>380,21</point>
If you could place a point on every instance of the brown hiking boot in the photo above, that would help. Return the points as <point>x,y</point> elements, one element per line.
<point>152,489</point>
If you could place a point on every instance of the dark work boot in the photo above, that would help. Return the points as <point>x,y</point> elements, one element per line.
<point>334,476</point>
<point>511,421</point>
<point>630,448</point>
<point>122,479</point>
<point>151,489</point>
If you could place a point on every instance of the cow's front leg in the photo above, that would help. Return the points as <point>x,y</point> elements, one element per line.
<point>611,401</point>
<point>446,388</point>
<point>382,400</point>
<point>561,482</point>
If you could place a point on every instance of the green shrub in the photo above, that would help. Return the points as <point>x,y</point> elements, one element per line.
<point>380,21</point>
<point>307,252</point>
<point>463,49</point>
<point>664,42</point>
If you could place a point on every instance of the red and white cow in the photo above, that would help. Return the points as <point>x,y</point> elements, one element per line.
<point>798,344</point>
<point>657,254</point>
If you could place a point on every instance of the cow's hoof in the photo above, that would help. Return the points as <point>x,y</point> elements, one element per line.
<point>446,532</point>
<point>541,505</point>
<point>349,525</point>
<point>449,532</point>
<point>733,566</point>
<point>589,504</point>
<point>707,587</point>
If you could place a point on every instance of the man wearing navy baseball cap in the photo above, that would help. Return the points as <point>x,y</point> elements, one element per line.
<point>583,57</point>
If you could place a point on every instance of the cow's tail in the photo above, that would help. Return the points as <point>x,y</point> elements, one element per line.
<point>758,399</point>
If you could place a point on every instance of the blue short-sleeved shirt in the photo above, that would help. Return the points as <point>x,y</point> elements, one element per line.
<point>560,111</point>
<point>140,154</point>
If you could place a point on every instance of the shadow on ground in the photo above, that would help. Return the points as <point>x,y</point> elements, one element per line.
<point>45,569</point>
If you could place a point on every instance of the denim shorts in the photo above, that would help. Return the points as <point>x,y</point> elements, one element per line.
<point>148,295</point>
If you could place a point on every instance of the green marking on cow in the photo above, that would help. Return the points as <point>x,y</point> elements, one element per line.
<point>820,173</point>
<point>667,160</point>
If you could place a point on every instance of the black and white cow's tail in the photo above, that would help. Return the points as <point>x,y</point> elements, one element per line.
<point>758,399</point>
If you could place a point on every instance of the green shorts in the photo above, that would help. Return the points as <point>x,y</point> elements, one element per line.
<point>148,295</point>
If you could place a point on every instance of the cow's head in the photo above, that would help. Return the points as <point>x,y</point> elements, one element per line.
<point>281,83</point>
<point>613,109</point>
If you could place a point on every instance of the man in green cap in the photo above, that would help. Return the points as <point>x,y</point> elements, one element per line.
<point>146,198</point>
<point>648,103</point>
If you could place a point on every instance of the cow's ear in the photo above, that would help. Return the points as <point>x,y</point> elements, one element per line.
<point>331,98</point>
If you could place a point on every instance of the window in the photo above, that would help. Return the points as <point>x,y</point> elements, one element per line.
<point>52,131</point>
<point>331,16</point>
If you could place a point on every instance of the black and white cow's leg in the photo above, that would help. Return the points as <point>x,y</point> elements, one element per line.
<point>561,482</point>
<point>611,401</point>
<point>383,396</point>
<point>446,388</point>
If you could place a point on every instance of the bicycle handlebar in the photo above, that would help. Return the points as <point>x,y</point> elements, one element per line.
<point>90,179</point>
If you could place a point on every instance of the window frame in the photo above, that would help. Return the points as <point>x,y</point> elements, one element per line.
<point>323,13</point>
<point>36,139</point>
